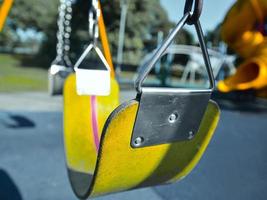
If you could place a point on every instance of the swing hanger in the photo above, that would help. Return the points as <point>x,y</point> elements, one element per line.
<point>194,13</point>
<point>179,110</point>
<point>93,80</point>
<point>190,17</point>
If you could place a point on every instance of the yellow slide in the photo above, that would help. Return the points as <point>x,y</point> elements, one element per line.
<point>243,31</point>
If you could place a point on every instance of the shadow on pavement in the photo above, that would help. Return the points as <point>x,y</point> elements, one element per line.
<point>249,107</point>
<point>8,189</point>
<point>240,101</point>
<point>20,122</point>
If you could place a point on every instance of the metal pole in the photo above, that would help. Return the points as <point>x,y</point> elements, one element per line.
<point>124,9</point>
<point>159,41</point>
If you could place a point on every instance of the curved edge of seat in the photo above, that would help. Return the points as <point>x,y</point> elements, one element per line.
<point>185,171</point>
<point>199,154</point>
<point>108,121</point>
<point>80,182</point>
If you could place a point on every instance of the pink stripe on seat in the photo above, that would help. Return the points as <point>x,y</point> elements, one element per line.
<point>94,121</point>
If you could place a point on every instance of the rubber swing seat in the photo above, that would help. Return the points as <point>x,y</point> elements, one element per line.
<point>114,165</point>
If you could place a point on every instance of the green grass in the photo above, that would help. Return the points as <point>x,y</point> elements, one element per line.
<point>17,78</point>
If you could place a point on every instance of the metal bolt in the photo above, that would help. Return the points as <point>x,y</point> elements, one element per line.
<point>138,141</point>
<point>173,117</point>
<point>190,135</point>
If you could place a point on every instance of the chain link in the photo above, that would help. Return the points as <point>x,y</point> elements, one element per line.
<point>194,7</point>
<point>94,13</point>
<point>64,31</point>
<point>67,34</point>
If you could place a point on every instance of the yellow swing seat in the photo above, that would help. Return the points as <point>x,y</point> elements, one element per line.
<point>97,136</point>
<point>117,166</point>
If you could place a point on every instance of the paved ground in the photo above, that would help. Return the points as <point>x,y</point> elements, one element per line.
<point>40,101</point>
<point>32,160</point>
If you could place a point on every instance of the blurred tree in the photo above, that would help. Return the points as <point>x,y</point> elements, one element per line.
<point>214,36</point>
<point>185,37</point>
<point>8,38</point>
<point>34,15</point>
<point>145,18</point>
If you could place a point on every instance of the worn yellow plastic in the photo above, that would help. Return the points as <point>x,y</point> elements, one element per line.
<point>84,105</point>
<point>116,166</point>
<point>238,31</point>
<point>77,120</point>
<point>4,10</point>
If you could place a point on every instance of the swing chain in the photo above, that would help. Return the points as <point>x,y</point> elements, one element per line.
<point>60,32</point>
<point>64,32</point>
<point>67,34</point>
<point>194,12</point>
<point>94,13</point>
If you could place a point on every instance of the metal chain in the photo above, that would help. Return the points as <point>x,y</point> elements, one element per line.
<point>60,32</point>
<point>64,31</point>
<point>94,13</point>
<point>67,33</point>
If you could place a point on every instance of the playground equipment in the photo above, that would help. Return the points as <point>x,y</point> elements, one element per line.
<point>244,31</point>
<point>61,67</point>
<point>222,65</point>
<point>156,138</point>
<point>4,10</point>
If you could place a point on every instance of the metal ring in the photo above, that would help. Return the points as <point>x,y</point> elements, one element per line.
<point>194,13</point>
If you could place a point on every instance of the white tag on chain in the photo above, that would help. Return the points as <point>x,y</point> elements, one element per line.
<point>93,80</point>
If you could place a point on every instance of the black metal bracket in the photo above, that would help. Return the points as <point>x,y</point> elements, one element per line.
<point>166,116</point>
<point>170,115</point>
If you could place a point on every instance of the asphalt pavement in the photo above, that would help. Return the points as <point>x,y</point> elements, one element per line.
<point>32,165</point>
